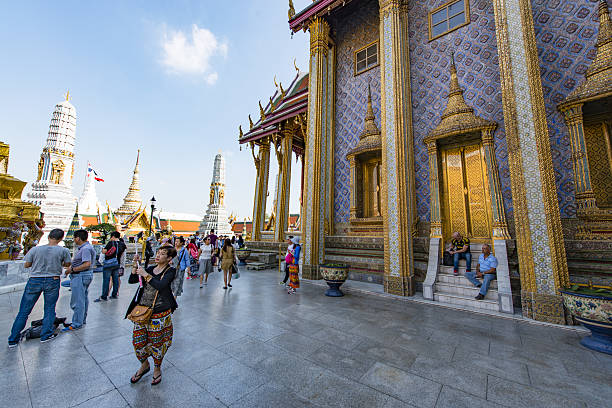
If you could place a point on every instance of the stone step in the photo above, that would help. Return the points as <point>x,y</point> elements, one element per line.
<point>258,266</point>
<point>449,278</point>
<point>464,290</point>
<point>466,301</point>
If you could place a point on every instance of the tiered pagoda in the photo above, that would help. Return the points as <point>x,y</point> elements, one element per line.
<point>216,215</point>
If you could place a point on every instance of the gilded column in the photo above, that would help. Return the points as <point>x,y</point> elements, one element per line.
<point>353,181</point>
<point>317,177</point>
<point>585,197</point>
<point>500,226</point>
<point>536,211</point>
<point>397,150</point>
<point>434,191</point>
<point>262,162</point>
<point>284,184</point>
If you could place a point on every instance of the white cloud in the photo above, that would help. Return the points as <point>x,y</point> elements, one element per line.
<point>191,54</point>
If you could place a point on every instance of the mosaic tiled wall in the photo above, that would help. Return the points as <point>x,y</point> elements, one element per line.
<point>478,70</point>
<point>352,93</point>
<point>566,32</point>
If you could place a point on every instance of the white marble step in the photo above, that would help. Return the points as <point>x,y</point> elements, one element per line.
<point>462,268</point>
<point>449,278</point>
<point>464,290</point>
<point>466,301</point>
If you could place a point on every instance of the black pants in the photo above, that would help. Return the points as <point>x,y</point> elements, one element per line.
<point>286,273</point>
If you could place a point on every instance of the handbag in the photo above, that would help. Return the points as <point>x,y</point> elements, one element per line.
<point>111,263</point>
<point>142,314</point>
<point>235,272</point>
<point>447,259</point>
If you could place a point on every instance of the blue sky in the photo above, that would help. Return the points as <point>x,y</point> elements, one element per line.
<point>174,79</point>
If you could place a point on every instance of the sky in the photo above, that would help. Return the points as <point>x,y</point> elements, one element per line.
<point>174,79</point>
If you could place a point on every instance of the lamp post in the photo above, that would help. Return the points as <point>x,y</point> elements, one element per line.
<point>152,209</point>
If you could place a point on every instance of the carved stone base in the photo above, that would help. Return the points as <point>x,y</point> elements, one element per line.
<point>399,285</point>
<point>311,272</point>
<point>544,308</point>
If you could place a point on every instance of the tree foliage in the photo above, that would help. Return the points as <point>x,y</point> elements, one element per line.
<point>104,229</point>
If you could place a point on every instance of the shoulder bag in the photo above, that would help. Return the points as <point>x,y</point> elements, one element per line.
<point>142,314</point>
<point>111,262</point>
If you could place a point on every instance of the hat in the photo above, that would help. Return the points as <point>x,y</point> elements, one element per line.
<point>295,240</point>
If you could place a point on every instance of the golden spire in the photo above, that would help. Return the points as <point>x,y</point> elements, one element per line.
<point>250,122</point>
<point>603,59</point>
<point>240,129</point>
<point>291,11</point>
<point>456,103</point>
<point>67,95</point>
<point>599,74</point>
<point>369,127</point>
<point>458,117</point>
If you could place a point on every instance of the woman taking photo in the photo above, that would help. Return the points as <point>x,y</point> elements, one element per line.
<point>227,262</point>
<point>152,336</point>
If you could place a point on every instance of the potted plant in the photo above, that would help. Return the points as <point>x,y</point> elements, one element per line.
<point>592,307</point>
<point>335,275</point>
<point>243,254</point>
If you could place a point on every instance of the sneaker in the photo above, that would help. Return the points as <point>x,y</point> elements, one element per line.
<point>201,286</point>
<point>229,285</point>
<point>51,337</point>
<point>281,283</point>
<point>67,329</point>
<point>13,345</point>
<point>456,272</point>
<point>479,297</point>
<point>188,278</point>
<point>115,297</point>
<point>100,299</point>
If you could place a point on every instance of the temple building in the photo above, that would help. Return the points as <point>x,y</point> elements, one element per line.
<point>216,215</point>
<point>52,190</point>
<point>420,119</point>
<point>89,208</point>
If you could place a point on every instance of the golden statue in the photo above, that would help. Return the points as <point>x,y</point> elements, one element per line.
<point>41,163</point>
<point>212,196</point>
<point>221,197</point>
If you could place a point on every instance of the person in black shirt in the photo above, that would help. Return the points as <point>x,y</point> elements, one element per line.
<point>112,251</point>
<point>153,338</point>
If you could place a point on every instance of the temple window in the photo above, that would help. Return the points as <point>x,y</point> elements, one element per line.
<point>448,17</point>
<point>366,58</point>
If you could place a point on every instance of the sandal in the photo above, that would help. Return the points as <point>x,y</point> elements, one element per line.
<point>135,378</point>
<point>156,380</point>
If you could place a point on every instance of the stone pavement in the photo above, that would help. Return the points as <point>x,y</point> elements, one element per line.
<point>256,346</point>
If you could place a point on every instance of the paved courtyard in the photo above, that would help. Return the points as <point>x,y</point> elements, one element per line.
<point>256,346</point>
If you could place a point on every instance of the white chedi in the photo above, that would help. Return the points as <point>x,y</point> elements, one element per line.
<point>216,215</point>
<point>52,190</point>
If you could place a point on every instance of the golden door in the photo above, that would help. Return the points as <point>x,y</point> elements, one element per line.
<point>465,193</point>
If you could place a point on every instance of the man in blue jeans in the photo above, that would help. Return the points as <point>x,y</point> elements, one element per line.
<point>460,248</point>
<point>486,269</point>
<point>81,275</point>
<point>113,250</point>
<point>46,262</point>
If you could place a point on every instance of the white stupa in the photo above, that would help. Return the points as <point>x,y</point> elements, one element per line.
<point>216,215</point>
<point>88,202</point>
<point>52,190</point>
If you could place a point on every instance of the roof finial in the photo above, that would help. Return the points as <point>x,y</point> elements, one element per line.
<point>67,95</point>
<point>454,83</point>
<point>240,129</point>
<point>291,11</point>
<point>250,122</point>
<point>137,157</point>
<point>261,111</point>
<point>295,66</point>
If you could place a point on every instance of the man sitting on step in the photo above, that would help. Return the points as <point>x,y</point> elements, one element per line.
<point>460,248</point>
<point>485,269</point>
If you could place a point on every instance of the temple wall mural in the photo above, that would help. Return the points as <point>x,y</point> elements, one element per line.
<point>565,33</point>
<point>478,70</point>
<point>351,96</point>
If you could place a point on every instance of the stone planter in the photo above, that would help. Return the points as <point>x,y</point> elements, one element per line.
<point>335,275</point>
<point>595,313</point>
<point>242,255</point>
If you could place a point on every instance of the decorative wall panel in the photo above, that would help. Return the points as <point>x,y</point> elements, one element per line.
<point>352,93</point>
<point>478,70</point>
<point>566,32</point>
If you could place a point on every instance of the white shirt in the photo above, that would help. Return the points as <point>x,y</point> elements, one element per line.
<point>206,252</point>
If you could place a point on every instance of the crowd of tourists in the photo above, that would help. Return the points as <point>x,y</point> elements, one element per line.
<point>159,283</point>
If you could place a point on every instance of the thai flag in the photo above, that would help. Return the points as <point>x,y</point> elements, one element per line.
<point>91,170</point>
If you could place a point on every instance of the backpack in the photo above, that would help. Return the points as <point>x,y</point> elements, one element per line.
<point>35,329</point>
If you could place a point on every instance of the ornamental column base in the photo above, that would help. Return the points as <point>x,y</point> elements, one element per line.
<point>311,272</point>
<point>399,285</point>
<point>544,308</point>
